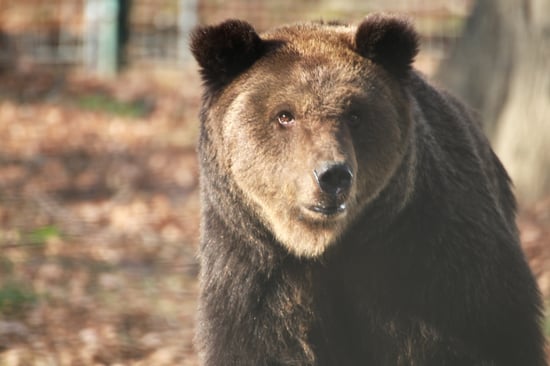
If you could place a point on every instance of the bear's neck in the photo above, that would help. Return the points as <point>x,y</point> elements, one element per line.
<point>246,292</point>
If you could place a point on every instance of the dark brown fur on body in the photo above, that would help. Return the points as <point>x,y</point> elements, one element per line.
<point>421,266</point>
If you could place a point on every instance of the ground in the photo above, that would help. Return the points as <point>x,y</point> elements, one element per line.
<point>99,219</point>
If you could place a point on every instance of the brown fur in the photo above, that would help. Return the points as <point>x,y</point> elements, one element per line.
<point>247,120</point>
<point>420,264</point>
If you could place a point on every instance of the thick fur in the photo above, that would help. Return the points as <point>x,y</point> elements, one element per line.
<point>422,268</point>
<point>388,41</point>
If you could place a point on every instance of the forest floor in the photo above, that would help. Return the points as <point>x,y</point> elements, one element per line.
<point>99,216</point>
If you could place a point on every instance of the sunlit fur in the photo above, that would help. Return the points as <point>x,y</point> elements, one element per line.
<point>423,267</point>
<point>274,168</point>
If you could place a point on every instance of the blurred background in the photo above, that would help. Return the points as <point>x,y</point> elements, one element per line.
<point>98,175</point>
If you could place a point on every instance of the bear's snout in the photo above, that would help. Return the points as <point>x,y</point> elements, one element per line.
<point>334,178</point>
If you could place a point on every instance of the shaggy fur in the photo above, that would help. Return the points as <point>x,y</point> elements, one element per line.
<point>417,263</point>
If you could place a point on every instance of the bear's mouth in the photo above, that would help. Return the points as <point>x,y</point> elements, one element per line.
<point>328,210</point>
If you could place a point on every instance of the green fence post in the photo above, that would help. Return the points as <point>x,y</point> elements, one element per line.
<point>101,39</point>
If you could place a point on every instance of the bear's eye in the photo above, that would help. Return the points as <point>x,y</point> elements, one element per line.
<point>285,118</point>
<point>353,119</point>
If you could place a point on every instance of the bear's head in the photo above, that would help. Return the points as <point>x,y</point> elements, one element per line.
<point>309,122</point>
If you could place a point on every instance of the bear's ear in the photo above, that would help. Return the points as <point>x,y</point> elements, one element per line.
<point>389,41</point>
<point>225,50</point>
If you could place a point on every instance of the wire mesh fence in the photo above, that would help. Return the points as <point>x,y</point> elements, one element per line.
<point>156,32</point>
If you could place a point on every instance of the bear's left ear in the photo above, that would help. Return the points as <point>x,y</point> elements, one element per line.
<point>389,41</point>
<point>225,50</point>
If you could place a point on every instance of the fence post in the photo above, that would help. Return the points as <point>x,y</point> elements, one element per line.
<point>101,40</point>
<point>187,19</point>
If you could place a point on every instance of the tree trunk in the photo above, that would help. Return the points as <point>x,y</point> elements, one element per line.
<point>501,67</point>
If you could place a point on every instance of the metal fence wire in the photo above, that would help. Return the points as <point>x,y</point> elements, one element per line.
<point>65,32</point>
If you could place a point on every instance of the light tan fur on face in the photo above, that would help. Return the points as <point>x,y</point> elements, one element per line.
<point>273,167</point>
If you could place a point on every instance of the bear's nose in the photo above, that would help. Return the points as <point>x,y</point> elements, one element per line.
<point>334,178</point>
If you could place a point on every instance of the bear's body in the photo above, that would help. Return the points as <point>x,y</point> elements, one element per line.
<point>352,213</point>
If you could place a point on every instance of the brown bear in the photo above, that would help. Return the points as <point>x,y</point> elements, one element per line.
<point>353,214</point>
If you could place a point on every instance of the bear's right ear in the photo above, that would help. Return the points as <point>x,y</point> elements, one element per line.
<point>225,50</point>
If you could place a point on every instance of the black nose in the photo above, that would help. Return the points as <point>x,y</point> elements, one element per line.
<point>334,178</point>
